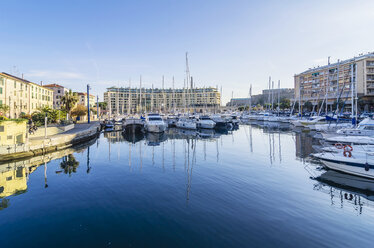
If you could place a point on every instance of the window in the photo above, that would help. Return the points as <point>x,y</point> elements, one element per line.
<point>15,84</point>
<point>1,90</point>
<point>1,129</point>
<point>1,102</point>
<point>9,137</point>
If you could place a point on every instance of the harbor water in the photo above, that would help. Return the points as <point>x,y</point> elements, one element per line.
<point>252,187</point>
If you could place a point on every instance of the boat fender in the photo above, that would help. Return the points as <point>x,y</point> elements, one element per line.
<point>348,148</point>
<point>367,166</point>
<point>339,145</point>
<point>347,153</point>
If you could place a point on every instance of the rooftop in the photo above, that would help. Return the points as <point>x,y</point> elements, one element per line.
<point>21,79</point>
<point>360,57</point>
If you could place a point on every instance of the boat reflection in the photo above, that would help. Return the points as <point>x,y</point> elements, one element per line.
<point>345,189</point>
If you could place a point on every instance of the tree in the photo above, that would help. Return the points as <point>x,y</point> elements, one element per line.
<point>285,103</point>
<point>308,105</point>
<point>69,164</point>
<point>4,109</point>
<point>79,111</point>
<point>69,100</point>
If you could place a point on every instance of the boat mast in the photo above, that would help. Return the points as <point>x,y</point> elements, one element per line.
<point>140,95</point>
<point>152,99</point>
<point>188,80</point>
<point>272,96</point>
<point>129,105</point>
<point>278,95</point>
<point>268,107</point>
<point>250,98</point>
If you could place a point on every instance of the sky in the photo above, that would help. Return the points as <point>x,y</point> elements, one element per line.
<point>230,43</point>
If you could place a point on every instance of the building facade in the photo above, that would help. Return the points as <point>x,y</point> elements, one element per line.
<point>131,100</point>
<point>58,92</point>
<point>335,81</point>
<point>82,99</point>
<point>23,96</point>
<point>265,97</point>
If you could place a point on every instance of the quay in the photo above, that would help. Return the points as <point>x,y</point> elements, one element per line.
<point>36,146</point>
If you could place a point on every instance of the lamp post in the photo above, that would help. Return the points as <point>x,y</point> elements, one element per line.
<point>88,103</point>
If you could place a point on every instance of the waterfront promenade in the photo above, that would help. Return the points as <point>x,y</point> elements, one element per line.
<point>41,145</point>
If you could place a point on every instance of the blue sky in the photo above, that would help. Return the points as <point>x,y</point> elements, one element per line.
<point>230,43</point>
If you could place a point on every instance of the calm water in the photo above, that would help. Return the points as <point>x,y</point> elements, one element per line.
<point>253,187</point>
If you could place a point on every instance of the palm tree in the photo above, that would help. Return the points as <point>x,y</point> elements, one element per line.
<point>69,164</point>
<point>69,100</point>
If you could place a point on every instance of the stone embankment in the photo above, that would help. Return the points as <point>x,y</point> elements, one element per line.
<point>40,145</point>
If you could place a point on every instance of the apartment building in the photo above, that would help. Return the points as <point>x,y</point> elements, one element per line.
<point>82,99</point>
<point>58,92</point>
<point>23,96</point>
<point>342,80</point>
<point>131,100</point>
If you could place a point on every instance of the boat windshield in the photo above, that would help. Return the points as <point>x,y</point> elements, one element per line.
<point>154,119</point>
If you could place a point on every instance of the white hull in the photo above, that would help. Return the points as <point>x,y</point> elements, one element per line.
<point>186,125</point>
<point>155,128</point>
<point>354,170</point>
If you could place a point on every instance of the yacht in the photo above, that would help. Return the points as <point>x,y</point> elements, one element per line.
<point>359,164</point>
<point>171,120</point>
<point>133,124</point>
<point>205,122</point>
<point>186,123</point>
<point>154,124</point>
<point>364,128</point>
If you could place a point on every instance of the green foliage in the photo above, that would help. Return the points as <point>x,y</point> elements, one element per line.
<point>285,103</point>
<point>4,108</point>
<point>53,115</point>
<point>308,106</point>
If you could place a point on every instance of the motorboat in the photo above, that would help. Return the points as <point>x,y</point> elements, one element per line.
<point>364,128</point>
<point>350,139</point>
<point>221,123</point>
<point>205,122</point>
<point>154,124</point>
<point>359,164</point>
<point>171,120</point>
<point>331,127</point>
<point>186,123</point>
<point>133,124</point>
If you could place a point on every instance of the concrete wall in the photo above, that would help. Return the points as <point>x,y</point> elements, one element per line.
<point>12,133</point>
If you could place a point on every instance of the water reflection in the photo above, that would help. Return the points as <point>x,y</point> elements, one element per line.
<point>345,189</point>
<point>14,176</point>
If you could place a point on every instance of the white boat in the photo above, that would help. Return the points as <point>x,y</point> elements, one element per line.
<point>133,124</point>
<point>350,139</point>
<point>205,122</point>
<point>338,148</point>
<point>171,120</point>
<point>364,128</point>
<point>359,164</point>
<point>155,124</point>
<point>312,121</point>
<point>331,127</point>
<point>186,123</point>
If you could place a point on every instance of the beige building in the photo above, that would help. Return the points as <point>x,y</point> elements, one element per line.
<point>23,96</point>
<point>125,100</point>
<point>333,81</point>
<point>82,99</point>
<point>58,92</point>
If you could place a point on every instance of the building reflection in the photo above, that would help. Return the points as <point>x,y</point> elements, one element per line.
<point>14,175</point>
<point>304,142</point>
